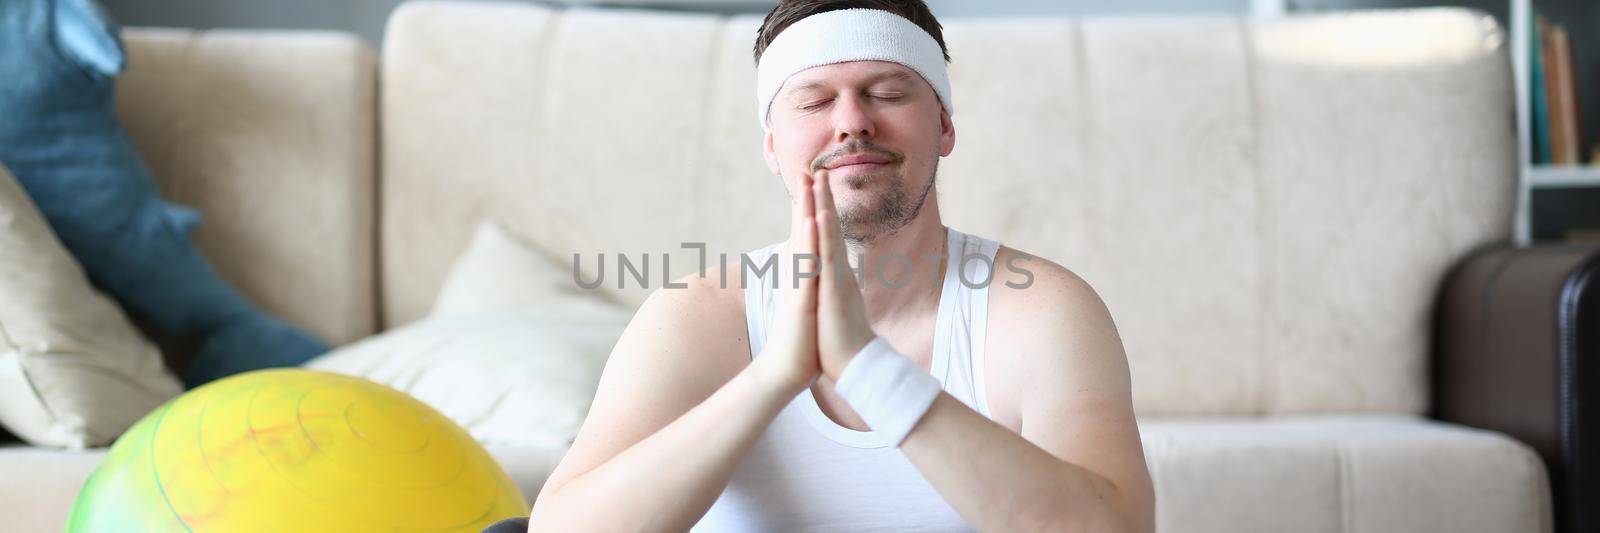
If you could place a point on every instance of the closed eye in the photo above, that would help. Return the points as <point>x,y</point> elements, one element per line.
<point>885,97</point>
<point>813,105</point>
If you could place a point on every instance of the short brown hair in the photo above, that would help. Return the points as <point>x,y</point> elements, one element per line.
<point>789,12</point>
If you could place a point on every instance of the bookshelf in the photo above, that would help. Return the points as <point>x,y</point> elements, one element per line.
<point>1544,178</point>
<point>1555,177</point>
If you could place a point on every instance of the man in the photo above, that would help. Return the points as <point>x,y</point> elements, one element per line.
<point>889,383</point>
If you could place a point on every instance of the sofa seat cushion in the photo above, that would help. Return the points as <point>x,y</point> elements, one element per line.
<point>40,484</point>
<point>1309,473</point>
<point>1339,473</point>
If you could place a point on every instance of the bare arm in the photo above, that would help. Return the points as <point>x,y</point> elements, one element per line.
<point>681,403</point>
<point>675,412</point>
<point>1078,463</point>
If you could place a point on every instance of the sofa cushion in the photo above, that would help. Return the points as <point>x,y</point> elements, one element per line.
<point>1339,473</point>
<point>513,378</point>
<point>1267,206</point>
<point>501,272</point>
<point>1309,473</point>
<point>74,372</point>
<point>272,136</point>
<point>510,328</point>
<point>40,484</point>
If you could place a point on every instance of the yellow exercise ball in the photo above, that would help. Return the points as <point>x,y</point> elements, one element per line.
<point>295,450</point>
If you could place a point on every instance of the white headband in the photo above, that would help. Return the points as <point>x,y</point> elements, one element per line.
<point>849,35</point>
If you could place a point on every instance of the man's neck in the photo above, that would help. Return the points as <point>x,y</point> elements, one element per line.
<point>892,286</point>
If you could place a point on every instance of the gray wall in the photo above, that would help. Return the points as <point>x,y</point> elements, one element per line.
<point>366,17</point>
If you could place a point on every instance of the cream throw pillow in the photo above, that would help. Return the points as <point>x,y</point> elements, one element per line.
<point>74,372</point>
<point>512,349</point>
<point>499,272</point>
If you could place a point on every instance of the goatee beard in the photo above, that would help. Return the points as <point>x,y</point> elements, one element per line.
<point>894,210</point>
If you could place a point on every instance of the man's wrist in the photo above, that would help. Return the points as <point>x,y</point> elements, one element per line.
<point>845,354</point>
<point>773,377</point>
<point>887,389</point>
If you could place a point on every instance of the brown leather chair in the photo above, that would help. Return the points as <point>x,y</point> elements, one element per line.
<point>1517,341</point>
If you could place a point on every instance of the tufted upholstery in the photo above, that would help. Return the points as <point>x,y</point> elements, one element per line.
<point>272,136</point>
<point>1267,207</point>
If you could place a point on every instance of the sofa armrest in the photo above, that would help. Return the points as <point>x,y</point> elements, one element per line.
<point>1517,334</point>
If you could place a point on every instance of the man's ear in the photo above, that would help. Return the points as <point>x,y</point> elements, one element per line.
<point>771,156</point>
<point>947,133</point>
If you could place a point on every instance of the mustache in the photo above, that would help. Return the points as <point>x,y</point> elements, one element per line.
<point>855,147</point>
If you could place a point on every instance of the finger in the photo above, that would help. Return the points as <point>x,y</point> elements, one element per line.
<point>808,208</point>
<point>820,212</point>
<point>830,237</point>
<point>824,212</point>
<point>808,286</point>
<point>807,227</point>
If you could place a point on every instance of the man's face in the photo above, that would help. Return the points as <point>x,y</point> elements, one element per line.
<point>874,129</point>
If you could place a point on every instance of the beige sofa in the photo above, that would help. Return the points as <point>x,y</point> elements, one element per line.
<point>1267,207</point>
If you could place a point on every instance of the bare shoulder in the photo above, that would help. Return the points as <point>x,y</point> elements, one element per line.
<point>696,324</point>
<point>1026,279</point>
<point>1039,293</point>
<point>702,309</point>
<point>1067,385</point>
<point>684,343</point>
<point>1046,323</point>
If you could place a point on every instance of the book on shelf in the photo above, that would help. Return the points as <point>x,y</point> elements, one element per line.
<point>1565,137</point>
<point>1553,88</point>
<point>1539,107</point>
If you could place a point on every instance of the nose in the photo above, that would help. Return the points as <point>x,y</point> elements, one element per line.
<point>852,118</point>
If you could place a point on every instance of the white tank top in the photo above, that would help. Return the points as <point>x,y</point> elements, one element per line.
<point>808,473</point>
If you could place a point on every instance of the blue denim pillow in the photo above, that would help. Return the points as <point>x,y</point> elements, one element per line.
<point>61,139</point>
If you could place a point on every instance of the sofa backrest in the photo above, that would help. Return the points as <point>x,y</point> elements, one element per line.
<point>272,136</point>
<point>1266,206</point>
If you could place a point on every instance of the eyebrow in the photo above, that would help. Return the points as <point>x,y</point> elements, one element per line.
<point>886,75</point>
